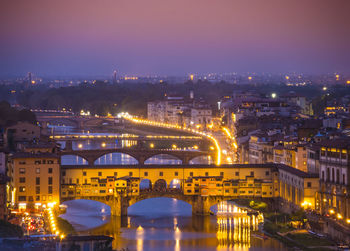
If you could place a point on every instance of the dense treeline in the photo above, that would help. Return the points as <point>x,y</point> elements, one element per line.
<point>103,98</point>
<point>10,115</point>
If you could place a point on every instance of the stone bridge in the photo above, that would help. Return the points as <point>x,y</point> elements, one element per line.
<point>119,204</point>
<point>76,121</point>
<point>140,154</point>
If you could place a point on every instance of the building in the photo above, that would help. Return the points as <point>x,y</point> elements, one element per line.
<point>260,149</point>
<point>297,188</point>
<point>180,111</point>
<point>335,177</point>
<point>3,196</point>
<point>21,132</point>
<point>34,180</point>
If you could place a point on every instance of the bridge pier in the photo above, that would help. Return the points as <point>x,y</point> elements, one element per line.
<point>69,146</point>
<point>201,205</point>
<point>119,206</point>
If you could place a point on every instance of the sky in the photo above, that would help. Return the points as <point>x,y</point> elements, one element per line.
<point>173,37</point>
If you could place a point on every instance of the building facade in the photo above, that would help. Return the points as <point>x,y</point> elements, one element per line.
<point>34,180</point>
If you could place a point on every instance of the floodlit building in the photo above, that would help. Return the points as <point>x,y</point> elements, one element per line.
<point>335,177</point>
<point>35,180</point>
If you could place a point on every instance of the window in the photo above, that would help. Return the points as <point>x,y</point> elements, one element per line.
<point>37,181</point>
<point>37,170</point>
<point>37,162</point>
<point>222,174</point>
<point>252,174</point>
<point>22,198</point>
<point>50,197</point>
<point>146,173</point>
<point>206,174</point>
<point>50,162</point>
<point>160,173</point>
<point>22,170</point>
<point>50,189</point>
<point>191,174</point>
<point>116,174</point>
<point>343,178</point>
<point>84,173</point>
<point>22,189</point>
<point>22,180</point>
<point>22,162</point>
<point>44,161</point>
<point>37,198</point>
<point>37,190</point>
<point>99,173</point>
<point>338,176</point>
<point>189,191</point>
<point>237,173</point>
<point>176,173</point>
<point>77,181</point>
<point>50,170</point>
<point>130,173</point>
<point>267,173</point>
<point>50,181</point>
<point>309,184</point>
<point>44,197</point>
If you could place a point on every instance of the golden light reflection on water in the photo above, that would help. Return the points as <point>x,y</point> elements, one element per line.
<point>222,232</point>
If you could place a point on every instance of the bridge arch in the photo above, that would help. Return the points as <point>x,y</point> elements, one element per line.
<point>202,159</point>
<point>91,206</point>
<point>163,159</point>
<point>145,184</point>
<point>160,185</point>
<point>157,204</point>
<point>175,184</point>
<point>118,158</point>
<point>73,159</point>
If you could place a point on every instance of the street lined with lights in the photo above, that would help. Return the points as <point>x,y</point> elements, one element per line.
<point>177,127</point>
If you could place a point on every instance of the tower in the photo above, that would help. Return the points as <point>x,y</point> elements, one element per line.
<point>114,76</point>
<point>29,82</point>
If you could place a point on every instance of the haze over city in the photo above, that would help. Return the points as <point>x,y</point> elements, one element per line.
<point>184,125</point>
<point>92,38</point>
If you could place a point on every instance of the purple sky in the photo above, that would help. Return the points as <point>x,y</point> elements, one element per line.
<point>92,37</point>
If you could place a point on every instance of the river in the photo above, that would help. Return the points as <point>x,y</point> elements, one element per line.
<point>162,223</point>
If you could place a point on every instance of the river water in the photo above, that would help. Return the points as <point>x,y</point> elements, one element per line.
<point>162,223</point>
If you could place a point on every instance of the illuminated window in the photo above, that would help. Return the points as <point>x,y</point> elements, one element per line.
<point>37,170</point>
<point>22,170</point>
<point>22,189</point>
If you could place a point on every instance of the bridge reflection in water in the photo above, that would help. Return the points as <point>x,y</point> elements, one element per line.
<point>183,233</point>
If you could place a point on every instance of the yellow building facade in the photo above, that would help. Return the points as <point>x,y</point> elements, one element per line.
<point>34,180</point>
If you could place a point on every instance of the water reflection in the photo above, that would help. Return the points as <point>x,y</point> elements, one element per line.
<point>145,229</point>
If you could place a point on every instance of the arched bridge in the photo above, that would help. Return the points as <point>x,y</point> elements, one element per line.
<point>76,121</point>
<point>119,204</point>
<point>140,154</point>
